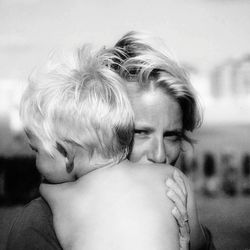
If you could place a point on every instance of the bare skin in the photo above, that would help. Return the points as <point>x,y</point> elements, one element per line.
<point>158,139</point>
<point>100,192</point>
<point>118,207</point>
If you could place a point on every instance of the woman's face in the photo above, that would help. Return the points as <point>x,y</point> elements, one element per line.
<point>158,127</point>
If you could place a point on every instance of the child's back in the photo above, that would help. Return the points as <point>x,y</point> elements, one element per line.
<point>115,208</point>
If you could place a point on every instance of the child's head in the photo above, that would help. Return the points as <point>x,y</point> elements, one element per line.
<point>78,104</point>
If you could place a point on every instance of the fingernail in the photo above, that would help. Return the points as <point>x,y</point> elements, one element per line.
<point>169,193</point>
<point>174,210</point>
<point>168,182</point>
<point>176,173</point>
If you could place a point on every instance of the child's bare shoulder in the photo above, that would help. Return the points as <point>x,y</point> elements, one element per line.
<point>121,197</point>
<point>155,169</point>
<point>127,175</point>
<point>150,173</point>
<point>137,183</point>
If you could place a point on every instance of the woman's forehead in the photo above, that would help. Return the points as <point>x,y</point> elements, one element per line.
<point>154,107</point>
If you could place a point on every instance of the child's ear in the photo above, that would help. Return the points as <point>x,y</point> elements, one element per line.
<point>61,149</point>
<point>68,155</point>
<point>69,165</point>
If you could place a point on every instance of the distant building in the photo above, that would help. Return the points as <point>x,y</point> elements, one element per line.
<point>242,77</point>
<point>231,79</point>
<point>222,79</point>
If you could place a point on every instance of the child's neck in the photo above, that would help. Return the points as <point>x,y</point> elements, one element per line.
<point>96,162</point>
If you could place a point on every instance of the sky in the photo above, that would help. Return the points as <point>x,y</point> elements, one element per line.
<point>203,33</point>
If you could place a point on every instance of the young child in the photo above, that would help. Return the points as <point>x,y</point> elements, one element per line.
<point>80,124</point>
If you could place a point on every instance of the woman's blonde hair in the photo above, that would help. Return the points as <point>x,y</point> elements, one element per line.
<point>80,101</point>
<point>147,63</point>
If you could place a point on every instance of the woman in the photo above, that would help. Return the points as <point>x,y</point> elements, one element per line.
<point>165,109</point>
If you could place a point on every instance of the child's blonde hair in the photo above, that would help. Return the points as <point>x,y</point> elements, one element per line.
<point>81,102</point>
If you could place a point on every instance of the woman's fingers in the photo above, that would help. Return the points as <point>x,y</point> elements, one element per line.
<point>180,182</point>
<point>184,243</point>
<point>178,194</point>
<point>184,230</point>
<point>182,215</point>
<point>173,185</point>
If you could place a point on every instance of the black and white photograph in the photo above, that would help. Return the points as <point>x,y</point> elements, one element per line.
<point>125,125</point>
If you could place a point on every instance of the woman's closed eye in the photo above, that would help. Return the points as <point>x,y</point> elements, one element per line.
<point>173,136</point>
<point>141,132</point>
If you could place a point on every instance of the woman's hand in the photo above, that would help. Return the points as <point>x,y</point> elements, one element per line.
<point>178,194</point>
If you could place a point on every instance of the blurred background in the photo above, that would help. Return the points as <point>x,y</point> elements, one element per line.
<point>211,38</point>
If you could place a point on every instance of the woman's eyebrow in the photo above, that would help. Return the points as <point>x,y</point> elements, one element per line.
<point>175,132</point>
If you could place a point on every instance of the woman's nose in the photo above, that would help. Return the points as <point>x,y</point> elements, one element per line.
<point>157,152</point>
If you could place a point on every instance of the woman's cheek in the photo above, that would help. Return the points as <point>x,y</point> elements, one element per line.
<point>173,151</point>
<point>138,151</point>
